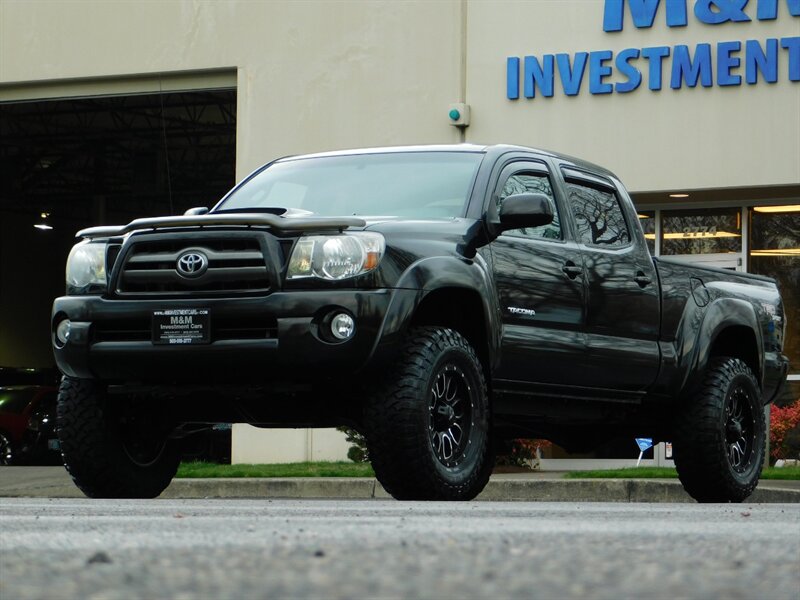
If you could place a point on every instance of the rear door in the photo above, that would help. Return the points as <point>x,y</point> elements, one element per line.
<point>622,293</point>
<point>540,286</point>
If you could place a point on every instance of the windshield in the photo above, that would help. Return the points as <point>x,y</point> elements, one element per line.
<point>418,185</point>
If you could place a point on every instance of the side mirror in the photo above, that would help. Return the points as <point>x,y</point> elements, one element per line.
<point>525,210</point>
<point>197,210</point>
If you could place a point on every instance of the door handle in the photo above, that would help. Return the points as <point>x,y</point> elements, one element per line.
<point>642,279</point>
<point>571,269</point>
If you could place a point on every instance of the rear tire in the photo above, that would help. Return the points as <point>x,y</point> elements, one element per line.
<point>111,452</point>
<point>428,426</point>
<point>721,435</point>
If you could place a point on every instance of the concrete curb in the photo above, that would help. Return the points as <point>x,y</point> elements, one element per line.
<point>520,490</point>
<point>56,483</point>
<point>346,488</point>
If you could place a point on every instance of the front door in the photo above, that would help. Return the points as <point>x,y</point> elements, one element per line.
<point>540,286</point>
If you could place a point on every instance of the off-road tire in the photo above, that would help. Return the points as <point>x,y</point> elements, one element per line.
<point>94,452</point>
<point>412,458</point>
<point>708,467</point>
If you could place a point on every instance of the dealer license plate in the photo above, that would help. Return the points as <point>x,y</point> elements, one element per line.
<point>181,326</point>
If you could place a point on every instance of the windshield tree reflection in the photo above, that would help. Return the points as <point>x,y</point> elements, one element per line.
<point>416,185</point>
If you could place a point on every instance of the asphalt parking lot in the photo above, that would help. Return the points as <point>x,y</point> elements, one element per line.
<point>79,548</point>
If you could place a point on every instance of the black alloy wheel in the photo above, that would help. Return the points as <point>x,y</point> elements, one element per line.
<point>740,429</point>
<point>450,415</point>
<point>141,441</point>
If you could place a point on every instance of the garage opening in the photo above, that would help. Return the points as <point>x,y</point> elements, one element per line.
<point>72,163</point>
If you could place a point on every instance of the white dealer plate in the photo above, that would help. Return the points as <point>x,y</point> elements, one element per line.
<point>182,326</point>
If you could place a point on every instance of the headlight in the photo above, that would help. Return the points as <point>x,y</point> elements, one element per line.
<point>336,257</point>
<point>86,268</point>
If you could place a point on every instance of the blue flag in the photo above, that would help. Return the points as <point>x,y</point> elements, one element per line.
<point>644,443</point>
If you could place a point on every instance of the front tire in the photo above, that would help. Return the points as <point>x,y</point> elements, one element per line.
<point>109,449</point>
<point>721,435</point>
<point>428,425</point>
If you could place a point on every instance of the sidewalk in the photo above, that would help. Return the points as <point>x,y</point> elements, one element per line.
<point>548,486</point>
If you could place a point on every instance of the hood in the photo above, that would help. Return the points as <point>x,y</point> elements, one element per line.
<point>276,222</point>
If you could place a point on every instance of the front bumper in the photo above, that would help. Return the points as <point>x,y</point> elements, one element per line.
<point>110,339</point>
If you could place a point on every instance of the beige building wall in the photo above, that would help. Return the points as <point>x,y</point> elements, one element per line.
<point>251,445</point>
<point>690,138</point>
<point>311,76</point>
<point>321,75</point>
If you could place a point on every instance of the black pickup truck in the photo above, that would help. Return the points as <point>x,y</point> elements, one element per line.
<point>440,299</point>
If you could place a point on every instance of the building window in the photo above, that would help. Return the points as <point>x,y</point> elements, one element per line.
<point>647,219</point>
<point>702,231</point>
<point>775,252</point>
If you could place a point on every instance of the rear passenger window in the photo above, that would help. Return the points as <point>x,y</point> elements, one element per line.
<point>532,183</point>
<point>598,216</point>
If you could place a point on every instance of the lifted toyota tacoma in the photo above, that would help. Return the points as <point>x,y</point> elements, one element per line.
<point>439,299</point>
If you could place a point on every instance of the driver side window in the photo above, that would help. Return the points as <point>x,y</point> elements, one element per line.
<point>532,183</point>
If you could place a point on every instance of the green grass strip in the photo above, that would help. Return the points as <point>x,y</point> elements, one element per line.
<point>782,473</point>
<point>627,473</point>
<point>669,473</point>
<point>204,470</point>
<point>307,469</point>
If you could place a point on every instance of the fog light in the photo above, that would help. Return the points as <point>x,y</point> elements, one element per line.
<point>342,326</point>
<point>62,331</point>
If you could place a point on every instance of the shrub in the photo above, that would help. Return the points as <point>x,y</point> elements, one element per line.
<point>357,452</point>
<point>521,452</point>
<point>784,431</point>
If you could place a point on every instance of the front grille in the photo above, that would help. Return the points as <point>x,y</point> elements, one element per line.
<point>222,328</point>
<point>235,264</point>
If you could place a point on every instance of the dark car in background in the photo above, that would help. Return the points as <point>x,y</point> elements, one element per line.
<point>27,416</point>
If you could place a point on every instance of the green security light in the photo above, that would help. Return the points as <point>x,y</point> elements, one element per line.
<point>459,114</point>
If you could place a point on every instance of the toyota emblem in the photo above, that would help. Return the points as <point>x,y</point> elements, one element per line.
<point>192,264</point>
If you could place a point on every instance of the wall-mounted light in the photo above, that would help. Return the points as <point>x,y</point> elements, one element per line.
<point>786,208</point>
<point>43,225</point>
<point>694,235</point>
<point>679,195</point>
<point>777,252</point>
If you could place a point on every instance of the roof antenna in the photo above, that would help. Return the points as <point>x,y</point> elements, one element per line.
<point>166,149</point>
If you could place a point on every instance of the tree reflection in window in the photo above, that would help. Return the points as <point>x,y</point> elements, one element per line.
<point>598,216</point>
<point>775,252</point>
<point>701,231</point>
<point>532,183</point>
